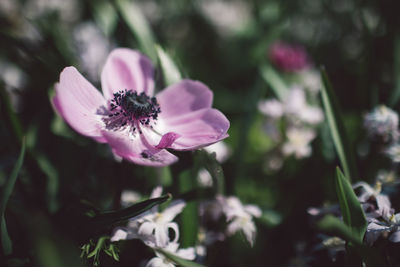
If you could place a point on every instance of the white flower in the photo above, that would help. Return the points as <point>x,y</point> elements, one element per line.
<point>311,115</point>
<point>393,152</point>
<point>271,108</point>
<point>162,261</point>
<point>384,209</point>
<point>221,149</point>
<point>240,217</point>
<point>298,142</point>
<point>390,225</point>
<point>296,107</point>
<point>153,226</point>
<point>383,122</point>
<point>158,224</point>
<point>311,80</point>
<point>227,16</point>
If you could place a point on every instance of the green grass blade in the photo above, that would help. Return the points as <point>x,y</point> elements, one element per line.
<point>189,216</point>
<point>337,128</point>
<point>8,189</point>
<point>138,25</point>
<point>105,16</point>
<point>272,78</point>
<point>178,260</point>
<point>169,69</point>
<point>7,108</point>
<point>352,212</point>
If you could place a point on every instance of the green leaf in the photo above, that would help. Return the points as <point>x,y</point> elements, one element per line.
<point>105,16</point>
<point>272,78</point>
<point>394,99</point>
<point>189,216</point>
<point>14,121</point>
<point>336,227</point>
<point>108,218</point>
<point>8,189</point>
<point>50,247</point>
<point>178,260</point>
<point>138,25</point>
<point>169,69</point>
<point>337,129</point>
<point>52,176</point>
<point>270,218</point>
<point>352,212</point>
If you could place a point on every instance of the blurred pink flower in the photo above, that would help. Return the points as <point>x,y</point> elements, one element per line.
<point>137,125</point>
<point>289,58</point>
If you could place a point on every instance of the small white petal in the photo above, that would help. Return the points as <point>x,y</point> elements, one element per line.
<point>234,226</point>
<point>173,210</point>
<point>186,253</point>
<point>249,230</point>
<point>159,262</point>
<point>161,234</point>
<point>253,210</point>
<point>119,235</point>
<point>156,192</point>
<point>146,228</point>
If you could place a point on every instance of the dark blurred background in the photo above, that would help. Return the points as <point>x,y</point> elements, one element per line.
<point>221,43</point>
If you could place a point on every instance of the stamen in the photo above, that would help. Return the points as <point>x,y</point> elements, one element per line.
<point>128,108</point>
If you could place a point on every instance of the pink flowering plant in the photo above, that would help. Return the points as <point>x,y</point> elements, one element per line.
<point>138,125</point>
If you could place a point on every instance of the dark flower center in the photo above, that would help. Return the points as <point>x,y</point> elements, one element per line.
<point>130,107</point>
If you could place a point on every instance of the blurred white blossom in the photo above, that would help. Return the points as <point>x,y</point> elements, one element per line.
<point>298,142</point>
<point>93,48</point>
<point>271,108</point>
<point>221,149</point>
<point>296,107</point>
<point>227,16</point>
<point>382,122</point>
<point>311,80</point>
<point>393,152</point>
<point>240,217</point>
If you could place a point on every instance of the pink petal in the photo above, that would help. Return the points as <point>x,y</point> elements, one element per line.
<point>78,102</point>
<point>196,129</point>
<point>167,140</point>
<point>127,69</point>
<point>183,97</point>
<point>137,149</point>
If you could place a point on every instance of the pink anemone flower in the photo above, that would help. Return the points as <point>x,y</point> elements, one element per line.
<point>138,126</point>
